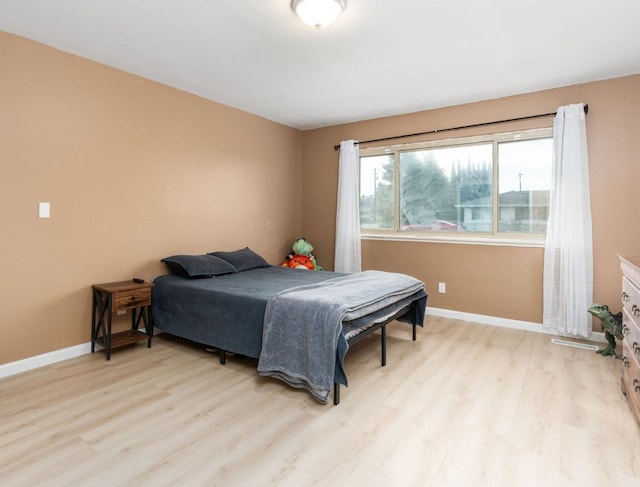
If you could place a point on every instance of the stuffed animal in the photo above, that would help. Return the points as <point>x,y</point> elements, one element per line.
<point>301,256</point>
<point>299,262</point>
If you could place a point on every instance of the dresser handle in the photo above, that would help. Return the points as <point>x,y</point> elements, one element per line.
<point>625,297</point>
<point>636,348</point>
<point>625,361</point>
<point>625,329</point>
<point>635,310</point>
<point>636,385</point>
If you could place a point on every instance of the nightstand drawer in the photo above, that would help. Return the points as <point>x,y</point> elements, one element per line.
<point>132,298</point>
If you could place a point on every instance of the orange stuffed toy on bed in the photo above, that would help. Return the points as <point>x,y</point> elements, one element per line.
<point>299,262</point>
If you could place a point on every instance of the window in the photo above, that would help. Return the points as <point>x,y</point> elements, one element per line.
<point>495,186</point>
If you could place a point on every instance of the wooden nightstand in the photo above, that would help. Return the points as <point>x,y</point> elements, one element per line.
<point>115,296</point>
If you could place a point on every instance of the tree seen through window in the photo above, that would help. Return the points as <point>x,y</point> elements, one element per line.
<point>450,188</point>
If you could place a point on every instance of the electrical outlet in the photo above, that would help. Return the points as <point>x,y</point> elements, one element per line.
<point>442,287</point>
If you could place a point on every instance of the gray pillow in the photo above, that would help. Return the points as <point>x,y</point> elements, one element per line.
<point>242,259</point>
<point>198,266</point>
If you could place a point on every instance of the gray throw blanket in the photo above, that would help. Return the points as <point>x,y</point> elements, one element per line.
<point>303,325</point>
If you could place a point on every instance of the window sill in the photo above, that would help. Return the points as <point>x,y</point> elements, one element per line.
<point>458,239</point>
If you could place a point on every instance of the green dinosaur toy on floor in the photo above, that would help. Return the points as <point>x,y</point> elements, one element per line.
<point>611,326</point>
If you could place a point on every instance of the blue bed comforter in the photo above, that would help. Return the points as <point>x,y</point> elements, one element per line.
<point>224,312</point>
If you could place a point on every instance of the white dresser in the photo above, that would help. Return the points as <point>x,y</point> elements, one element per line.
<point>631,330</point>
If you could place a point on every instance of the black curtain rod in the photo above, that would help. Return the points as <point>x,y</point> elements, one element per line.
<point>529,117</point>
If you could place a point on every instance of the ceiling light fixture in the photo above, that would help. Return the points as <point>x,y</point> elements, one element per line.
<point>318,13</point>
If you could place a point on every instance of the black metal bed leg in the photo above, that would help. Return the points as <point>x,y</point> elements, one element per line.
<point>415,327</point>
<point>336,393</point>
<point>383,345</point>
<point>223,357</point>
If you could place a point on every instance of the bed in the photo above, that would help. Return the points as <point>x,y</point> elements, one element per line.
<point>236,302</point>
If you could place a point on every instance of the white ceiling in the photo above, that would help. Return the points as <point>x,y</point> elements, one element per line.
<point>382,57</point>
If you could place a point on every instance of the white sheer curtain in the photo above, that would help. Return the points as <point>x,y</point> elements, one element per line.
<point>568,253</point>
<point>348,256</point>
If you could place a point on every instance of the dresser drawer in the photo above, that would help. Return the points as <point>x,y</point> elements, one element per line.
<point>630,266</point>
<point>631,298</point>
<point>631,332</point>
<point>631,376</point>
<point>131,298</point>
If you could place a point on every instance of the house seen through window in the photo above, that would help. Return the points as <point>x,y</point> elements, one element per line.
<point>494,185</point>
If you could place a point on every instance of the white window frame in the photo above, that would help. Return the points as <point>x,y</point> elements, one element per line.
<point>493,238</point>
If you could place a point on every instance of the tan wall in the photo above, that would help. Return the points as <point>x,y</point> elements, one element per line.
<point>134,171</point>
<point>497,281</point>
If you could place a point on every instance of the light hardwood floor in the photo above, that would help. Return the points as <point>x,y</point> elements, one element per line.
<point>465,405</point>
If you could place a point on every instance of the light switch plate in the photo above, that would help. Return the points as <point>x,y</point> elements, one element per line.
<point>44,210</point>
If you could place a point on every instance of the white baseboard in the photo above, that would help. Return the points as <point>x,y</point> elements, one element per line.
<point>49,358</point>
<point>507,323</point>
<point>44,359</point>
